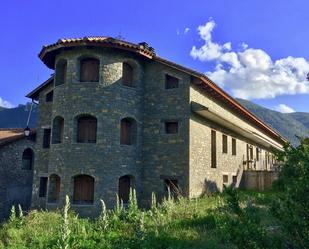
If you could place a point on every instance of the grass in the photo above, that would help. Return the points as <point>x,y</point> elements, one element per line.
<point>206,222</point>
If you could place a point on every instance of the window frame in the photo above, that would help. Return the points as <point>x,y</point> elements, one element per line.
<point>224,144</point>
<point>166,127</point>
<point>170,86</point>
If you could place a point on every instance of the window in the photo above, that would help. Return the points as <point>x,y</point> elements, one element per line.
<point>54,188</point>
<point>225,178</point>
<point>213,149</point>
<point>127,131</point>
<point>58,127</point>
<point>27,159</point>
<point>86,129</point>
<point>89,70</point>
<point>233,146</point>
<point>46,138</point>
<point>127,75</point>
<point>171,127</point>
<point>251,152</point>
<point>172,186</point>
<point>257,154</point>
<point>43,187</point>
<point>171,82</point>
<point>49,96</point>
<point>61,72</point>
<point>83,189</point>
<point>224,144</point>
<point>125,183</point>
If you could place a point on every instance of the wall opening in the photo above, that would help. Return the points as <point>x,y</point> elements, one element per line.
<point>89,70</point>
<point>27,159</point>
<point>58,129</point>
<point>125,184</point>
<point>54,188</point>
<point>83,190</point>
<point>128,131</point>
<point>87,129</point>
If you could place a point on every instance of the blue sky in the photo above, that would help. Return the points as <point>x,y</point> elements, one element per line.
<point>254,49</point>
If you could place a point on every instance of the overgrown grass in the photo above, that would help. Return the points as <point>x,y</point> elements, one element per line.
<point>229,220</point>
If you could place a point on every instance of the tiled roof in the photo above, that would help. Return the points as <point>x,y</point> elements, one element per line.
<point>8,135</point>
<point>49,52</point>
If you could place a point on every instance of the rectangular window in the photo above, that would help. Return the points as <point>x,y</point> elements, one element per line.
<point>213,149</point>
<point>257,154</point>
<point>224,144</point>
<point>251,152</point>
<point>49,96</point>
<point>46,138</point>
<point>225,178</point>
<point>43,187</point>
<point>171,127</point>
<point>233,146</point>
<point>171,82</point>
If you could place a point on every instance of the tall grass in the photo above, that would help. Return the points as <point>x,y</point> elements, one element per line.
<point>172,223</point>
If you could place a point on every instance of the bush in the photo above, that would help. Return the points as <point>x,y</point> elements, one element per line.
<point>292,205</point>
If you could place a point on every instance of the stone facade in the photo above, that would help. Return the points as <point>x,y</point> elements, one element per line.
<point>154,157</point>
<point>16,182</point>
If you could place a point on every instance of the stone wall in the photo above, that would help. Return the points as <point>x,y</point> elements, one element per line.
<point>258,180</point>
<point>16,183</point>
<point>165,156</point>
<point>107,100</point>
<point>203,178</point>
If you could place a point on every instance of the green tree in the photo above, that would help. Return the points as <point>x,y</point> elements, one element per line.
<point>292,206</point>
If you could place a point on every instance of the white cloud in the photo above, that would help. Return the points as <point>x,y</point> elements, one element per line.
<point>4,103</point>
<point>248,72</point>
<point>186,30</point>
<point>284,108</point>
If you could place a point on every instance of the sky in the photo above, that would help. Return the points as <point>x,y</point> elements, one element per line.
<point>257,49</point>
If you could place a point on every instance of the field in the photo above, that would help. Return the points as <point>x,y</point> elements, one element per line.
<point>229,220</point>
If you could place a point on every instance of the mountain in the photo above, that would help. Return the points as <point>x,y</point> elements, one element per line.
<point>17,117</point>
<point>288,125</point>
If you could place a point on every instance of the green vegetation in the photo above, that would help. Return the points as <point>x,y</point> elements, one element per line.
<point>229,220</point>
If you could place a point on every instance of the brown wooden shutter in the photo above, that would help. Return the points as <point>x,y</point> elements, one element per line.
<point>213,149</point>
<point>89,70</point>
<point>83,189</point>
<point>224,144</point>
<point>127,75</point>
<point>126,132</point>
<point>233,146</point>
<point>87,130</point>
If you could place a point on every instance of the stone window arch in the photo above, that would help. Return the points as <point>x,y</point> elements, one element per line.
<point>86,129</point>
<point>125,183</point>
<point>27,159</point>
<point>61,72</point>
<point>83,192</point>
<point>128,131</point>
<point>58,129</point>
<point>89,70</point>
<point>54,188</point>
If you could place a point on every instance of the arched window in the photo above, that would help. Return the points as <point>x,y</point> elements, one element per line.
<point>127,75</point>
<point>58,127</point>
<point>128,131</point>
<point>27,159</point>
<point>89,70</point>
<point>87,129</point>
<point>61,72</point>
<point>83,189</point>
<point>54,188</point>
<point>125,183</point>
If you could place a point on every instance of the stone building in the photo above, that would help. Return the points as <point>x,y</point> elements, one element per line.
<point>16,170</point>
<point>115,115</point>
